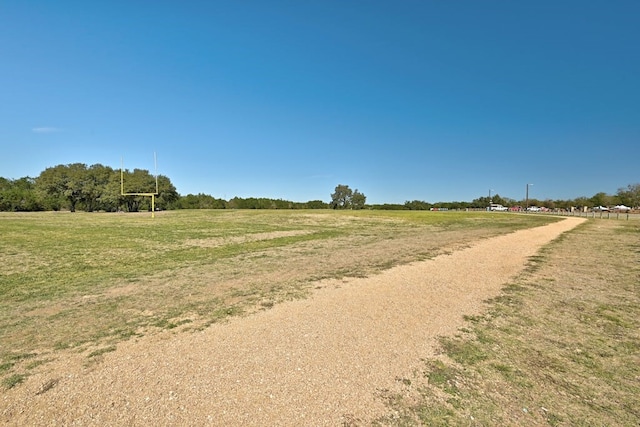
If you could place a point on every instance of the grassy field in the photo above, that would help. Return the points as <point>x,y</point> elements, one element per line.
<point>83,282</point>
<point>559,347</point>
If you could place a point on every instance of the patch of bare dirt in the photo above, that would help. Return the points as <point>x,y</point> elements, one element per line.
<point>323,360</point>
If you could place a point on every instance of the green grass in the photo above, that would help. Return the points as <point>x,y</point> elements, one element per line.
<point>13,380</point>
<point>86,281</point>
<point>559,347</point>
<point>101,351</point>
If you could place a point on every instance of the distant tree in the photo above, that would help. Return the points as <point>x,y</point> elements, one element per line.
<point>199,201</point>
<point>358,200</point>
<point>417,205</point>
<point>484,202</point>
<point>497,199</point>
<point>629,196</point>
<point>581,202</point>
<point>19,195</point>
<point>509,202</point>
<point>167,193</point>
<point>316,204</point>
<point>600,199</point>
<point>341,198</point>
<point>389,207</point>
<point>480,203</point>
<point>563,204</point>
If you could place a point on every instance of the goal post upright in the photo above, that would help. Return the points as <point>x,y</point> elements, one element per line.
<point>121,176</point>
<point>152,195</point>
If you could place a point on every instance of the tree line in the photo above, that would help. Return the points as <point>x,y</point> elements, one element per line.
<point>205,201</point>
<point>89,188</point>
<point>628,196</point>
<point>92,188</point>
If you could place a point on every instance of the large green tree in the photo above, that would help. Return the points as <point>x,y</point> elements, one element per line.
<point>92,187</point>
<point>141,181</point>
<point>167,193</point>
<point>64,182</point>
<point>345,198</point>
<point>19,195</point>
<point>341,197</point>
<point>358,200</point>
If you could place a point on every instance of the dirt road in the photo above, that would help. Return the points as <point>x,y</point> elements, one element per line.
<point>320,361</point>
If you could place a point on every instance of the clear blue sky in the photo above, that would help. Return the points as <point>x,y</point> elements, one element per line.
<point>402,100</point>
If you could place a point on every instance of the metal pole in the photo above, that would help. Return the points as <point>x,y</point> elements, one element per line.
<point>155,162</point>
<point>121,177</point>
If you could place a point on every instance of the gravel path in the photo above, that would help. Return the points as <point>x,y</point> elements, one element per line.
<point>318,361</point>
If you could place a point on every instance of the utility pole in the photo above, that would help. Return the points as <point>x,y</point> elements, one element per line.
<point>527,198</point>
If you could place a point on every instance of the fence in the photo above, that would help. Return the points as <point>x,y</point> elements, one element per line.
<point>598,214</point>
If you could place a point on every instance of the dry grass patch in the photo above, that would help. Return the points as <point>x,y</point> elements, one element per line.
<point>255,237</point>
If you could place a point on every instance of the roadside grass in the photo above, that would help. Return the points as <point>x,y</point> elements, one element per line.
<point>559,347</point>
<point>85,281</point>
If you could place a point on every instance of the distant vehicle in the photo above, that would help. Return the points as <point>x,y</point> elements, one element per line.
<point>601,209</point>
<point>533,209</point>
<point>622,208</point>
<point>497,207</point>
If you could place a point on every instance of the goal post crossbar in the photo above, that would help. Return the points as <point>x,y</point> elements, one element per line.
<point>152,195</point>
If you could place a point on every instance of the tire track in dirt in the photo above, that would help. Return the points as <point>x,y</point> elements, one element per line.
<point>317,361</point>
